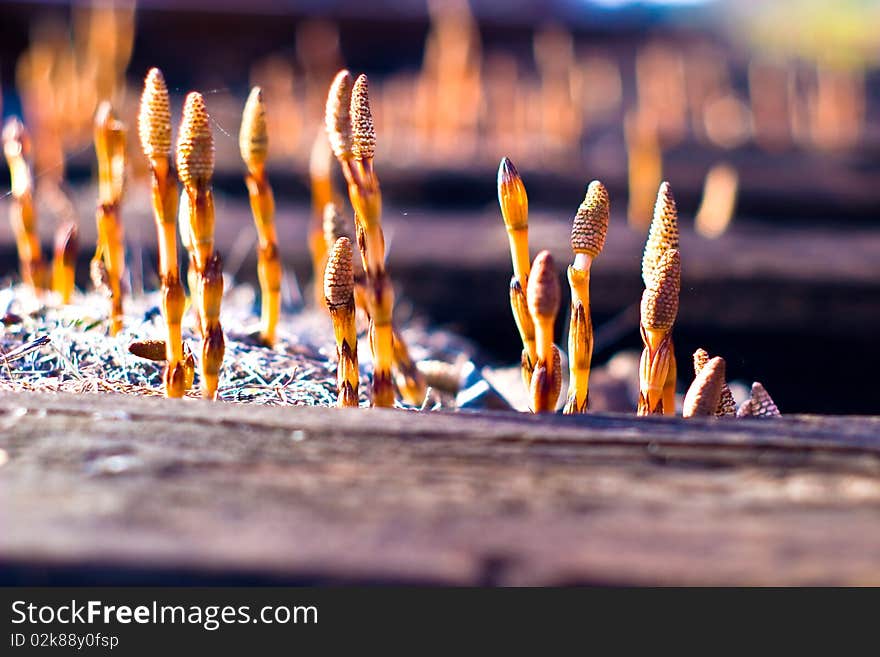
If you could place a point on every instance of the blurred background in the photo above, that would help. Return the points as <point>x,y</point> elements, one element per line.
<point>763,116</point>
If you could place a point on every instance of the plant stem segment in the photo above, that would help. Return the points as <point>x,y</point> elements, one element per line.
<point>253,141</point>
<point>110,151</point>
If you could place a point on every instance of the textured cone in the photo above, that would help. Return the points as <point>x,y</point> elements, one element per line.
<point>363,132</point>
<point>339,276</point>
<point>195,145</point>
<point>704,395</point>
<point>512,196</point>
<point>727,404</point>
<point>543,292</point>
<point>154,117</point>
<point>337,118</point>
<point>590,225</point>
<point>253,138</point>
<point>663,234</point>
<point>759,404</point>
<point>660,300</point>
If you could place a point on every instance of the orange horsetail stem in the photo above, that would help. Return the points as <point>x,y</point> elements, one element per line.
<point>352,136</point>
<point>195,166</point>
<point>64,260</point>
<point>254,146</point>
<point>22,213</point>
<point>110,151</point>
<point>659,308</point>
<point>514,203</point>
<point>339,297</point>
<point>588,232</point>
<point>154,130</point>
<point>321,182</point>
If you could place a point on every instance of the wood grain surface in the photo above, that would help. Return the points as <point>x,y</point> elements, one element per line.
<point>113,489</point>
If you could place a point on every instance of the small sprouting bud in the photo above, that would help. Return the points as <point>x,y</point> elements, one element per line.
<point>704,395</point>
<point>363,132</point>
<point>727,404</point>
<point>543,292</point>
<point>339,275</point>
<point>154,117</point>
<point>760,404</point>
<point>590,225</point>
<point>660,299</point>
<point>337,117</point>
<point>195,144</point>
<point>663,234</point>
<point>253,138</point>
<point>512,196</point>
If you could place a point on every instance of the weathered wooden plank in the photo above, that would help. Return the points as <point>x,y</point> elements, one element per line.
<point>132,489</point>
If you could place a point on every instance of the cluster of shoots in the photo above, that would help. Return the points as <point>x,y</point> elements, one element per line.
<point>254,145</point>
<point>535,294</point>
<point>535,311</point>
<point>110,140</point>
<point>352,137</point>
<point>661,274</point>
<point>193,216</point>
<point>154,130</point>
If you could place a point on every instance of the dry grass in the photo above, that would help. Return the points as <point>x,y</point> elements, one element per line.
<point>66,348</point>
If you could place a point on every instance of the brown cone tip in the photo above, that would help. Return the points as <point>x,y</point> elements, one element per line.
<point>663,234</point>
<point>703,396</point>
<point>543,292</point>
<point>154,116</point>
<point>512,196</point>
<point>337,117</point>
<point>334,225</point>
<point>339,275</point>
<point>590,225</point>
<point>727,404</point>
<point>760,404</point>
<point>660,299</point>
<point>701,357</point>
<point>195,144</point>
<point>253,138</point>
<point>362,128</point>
